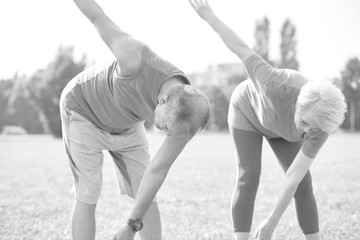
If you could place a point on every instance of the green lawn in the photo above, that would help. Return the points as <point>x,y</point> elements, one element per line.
<point>35,198</point>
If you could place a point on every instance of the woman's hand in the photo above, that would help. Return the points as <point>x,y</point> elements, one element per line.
<point>264,231</point>
<point>202,8</point>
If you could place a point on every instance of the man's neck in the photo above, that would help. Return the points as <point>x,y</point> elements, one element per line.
<point>172,82</point>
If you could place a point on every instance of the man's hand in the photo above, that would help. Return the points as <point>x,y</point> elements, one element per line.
<point>202,8</point>
<point>264,231</point>
<point>125,233</point>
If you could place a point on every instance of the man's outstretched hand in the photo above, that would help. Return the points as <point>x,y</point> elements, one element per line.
<point>125,233</point>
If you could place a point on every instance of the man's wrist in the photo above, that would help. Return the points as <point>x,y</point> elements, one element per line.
<point>135,224</point>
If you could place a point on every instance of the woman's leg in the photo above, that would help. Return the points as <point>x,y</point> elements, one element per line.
<point>305,202</point>
<point>248,146</point>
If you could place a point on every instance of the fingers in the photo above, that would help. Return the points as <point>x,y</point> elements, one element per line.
<point>192,4</point>
<point>196,4</point>
<point>261,236</point>
<point>202,2</point>
<point>256,235</point>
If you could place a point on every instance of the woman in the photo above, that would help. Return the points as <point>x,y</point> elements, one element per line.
<point>295,116</point>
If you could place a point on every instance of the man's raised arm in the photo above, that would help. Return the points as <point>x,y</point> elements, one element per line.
<point>126,49</point>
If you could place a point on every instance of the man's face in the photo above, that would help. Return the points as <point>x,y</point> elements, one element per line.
<point>160,115</point>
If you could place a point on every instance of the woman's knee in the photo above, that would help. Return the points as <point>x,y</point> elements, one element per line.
<point>304,189</point>
<point>249,181</point>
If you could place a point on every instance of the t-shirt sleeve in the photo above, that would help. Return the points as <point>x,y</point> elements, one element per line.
<point>312,145</point>
<point>167,69</point>
<point>159,71</point>
<point>260,71</point>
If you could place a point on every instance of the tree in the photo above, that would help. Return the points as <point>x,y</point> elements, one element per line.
<point>47,85</point>
<point>219,108</point>
<point>262,31</point>
<point>288,46</point>
<point>236,78</point>
<point>21,110</point>
<point>5,91</point>
<point>350,84</point>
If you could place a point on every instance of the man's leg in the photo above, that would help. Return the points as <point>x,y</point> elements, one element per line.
<point>83,221</point>
<point>129,166</point>
<point>248,148</point>
<point>129,172</point>
<point>305,202</point>
<point>86,160</point>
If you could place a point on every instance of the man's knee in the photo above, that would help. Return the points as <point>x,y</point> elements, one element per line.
<point>87,192</point>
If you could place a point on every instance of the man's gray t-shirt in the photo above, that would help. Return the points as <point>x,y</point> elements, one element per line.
<point>115,103</point>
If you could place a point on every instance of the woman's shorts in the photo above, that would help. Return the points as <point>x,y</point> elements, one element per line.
<point>241,114</point>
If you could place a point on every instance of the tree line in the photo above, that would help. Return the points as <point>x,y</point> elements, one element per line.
<point>33,102</point>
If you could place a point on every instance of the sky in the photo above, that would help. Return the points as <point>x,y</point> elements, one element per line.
<point>328,32</point>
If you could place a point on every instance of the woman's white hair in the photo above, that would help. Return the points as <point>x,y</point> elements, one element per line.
<point>324,102</point>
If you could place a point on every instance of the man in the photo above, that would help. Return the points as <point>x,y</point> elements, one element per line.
<point>104,107</point>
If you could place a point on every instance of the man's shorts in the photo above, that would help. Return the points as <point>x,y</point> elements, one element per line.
<point>84,143</point>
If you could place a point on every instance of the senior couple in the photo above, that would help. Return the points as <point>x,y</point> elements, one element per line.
<point>104,107</point>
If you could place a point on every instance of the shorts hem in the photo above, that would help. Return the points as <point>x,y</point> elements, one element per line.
<point>242,128</point>
<point>86,201</point>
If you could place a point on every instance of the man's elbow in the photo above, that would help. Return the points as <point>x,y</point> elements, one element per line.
<point>159,171</point>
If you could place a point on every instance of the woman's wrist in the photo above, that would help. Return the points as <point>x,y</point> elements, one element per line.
<point>210,18</point>
<point>273,219</point>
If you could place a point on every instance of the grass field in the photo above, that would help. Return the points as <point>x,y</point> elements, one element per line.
<point>35,198</point>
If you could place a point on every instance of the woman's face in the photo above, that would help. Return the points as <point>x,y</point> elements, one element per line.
<point>305,122</point>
